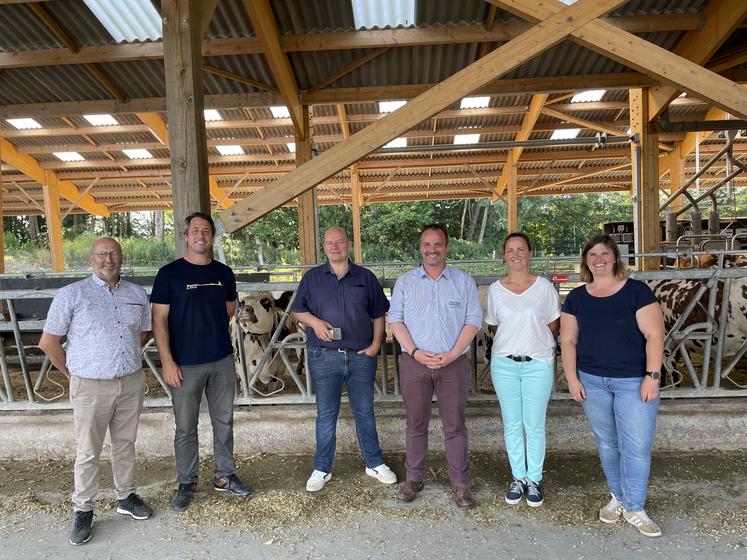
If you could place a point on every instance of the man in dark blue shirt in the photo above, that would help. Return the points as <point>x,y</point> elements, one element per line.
<point>193,299</point>
<point>344,306</point>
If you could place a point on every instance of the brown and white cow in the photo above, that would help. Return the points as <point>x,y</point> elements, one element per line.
<point>256,316</point>
<point>674,296</point>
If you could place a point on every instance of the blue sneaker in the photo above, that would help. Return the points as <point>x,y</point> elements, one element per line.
<point>233,485</point>
<point>516,492</point>
<point>535,496</point>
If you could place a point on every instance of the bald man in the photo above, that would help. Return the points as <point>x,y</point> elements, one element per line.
<point>106,321</point>
<point>344,306</point>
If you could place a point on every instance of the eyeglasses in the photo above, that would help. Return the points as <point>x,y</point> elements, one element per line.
<point>104,254</point>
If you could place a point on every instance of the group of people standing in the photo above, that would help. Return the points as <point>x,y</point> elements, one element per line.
<point>611,333</point>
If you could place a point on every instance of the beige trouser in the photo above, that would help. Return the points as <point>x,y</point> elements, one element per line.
<point>98,405</point>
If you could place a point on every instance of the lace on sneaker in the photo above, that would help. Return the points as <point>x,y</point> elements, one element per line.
<point>517,486</point>
<point>532,488</point>
<point>614,505</point>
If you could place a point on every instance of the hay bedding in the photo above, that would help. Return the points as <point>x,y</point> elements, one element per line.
<point>710,491</point>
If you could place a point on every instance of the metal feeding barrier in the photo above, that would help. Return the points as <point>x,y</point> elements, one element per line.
<point>712,289</point>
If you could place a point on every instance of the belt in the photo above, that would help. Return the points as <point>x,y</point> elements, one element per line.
<point>519,358</point>
<point>346,350</point>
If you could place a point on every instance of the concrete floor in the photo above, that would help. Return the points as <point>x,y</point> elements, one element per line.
<point>699,499</point>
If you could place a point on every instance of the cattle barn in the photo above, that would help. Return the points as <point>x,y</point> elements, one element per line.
<point>240,107</point>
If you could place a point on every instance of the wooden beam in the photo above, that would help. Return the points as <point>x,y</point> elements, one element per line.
<point>30,167</point>
<point>54,223</point>
<point>583,122</point>
<point>467,80</point>
<point>308,216</point>
<point>643,56</point>
<point>239,78</point>
<point>621,80</point>
<point>646,201</point>
<point>208,9</point>
<point>527,125</point>
<point>721,19</point>
<point>729,60</point>
<point>372,39</point>
<point>676,177</point>
<point>266,29</point>
<point>156,126</point>
<point>182,67</point>
<point>219,194</point>
<point>512,198</point>
<point>348,69</point>
<point>356,192</point>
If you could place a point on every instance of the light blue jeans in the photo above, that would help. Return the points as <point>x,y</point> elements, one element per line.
<point>624,427</point>
<point>523,389</point>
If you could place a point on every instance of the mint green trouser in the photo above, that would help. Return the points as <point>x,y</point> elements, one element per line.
<point>523,390</point>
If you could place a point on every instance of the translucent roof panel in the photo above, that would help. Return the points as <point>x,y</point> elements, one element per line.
<point>383,13</point>
<point>128,20</point>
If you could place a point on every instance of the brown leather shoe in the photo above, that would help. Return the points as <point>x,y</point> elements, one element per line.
<point>408,491</point>
<point>463,497</point>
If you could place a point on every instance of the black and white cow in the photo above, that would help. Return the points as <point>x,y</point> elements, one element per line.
<point>257,316</point>
<point>674,296</point>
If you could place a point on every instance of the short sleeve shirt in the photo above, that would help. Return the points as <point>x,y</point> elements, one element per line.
<point>349,303</point>
<point>102,325</point>
<point>435,311</point>
<point>523,319</point>
<point>610,344</point>
<point>198,321</point>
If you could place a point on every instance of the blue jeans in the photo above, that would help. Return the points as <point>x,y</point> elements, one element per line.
<point>330,369</point>
<point>523,389</point>
<point>624,427</point>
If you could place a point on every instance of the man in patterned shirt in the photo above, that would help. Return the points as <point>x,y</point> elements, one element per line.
<point>434,314</point>
<point>106,321</point>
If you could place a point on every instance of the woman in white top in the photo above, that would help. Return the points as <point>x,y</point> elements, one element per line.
<point>526,310</point>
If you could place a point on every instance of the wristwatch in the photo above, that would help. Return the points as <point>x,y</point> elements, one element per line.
<point>412,352</point>
<point>654,375</point>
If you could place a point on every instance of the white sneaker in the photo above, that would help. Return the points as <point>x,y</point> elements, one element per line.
<point>317,480</point>
<point>642,522</point>
<point>383,474</point>
<point>611,512</point>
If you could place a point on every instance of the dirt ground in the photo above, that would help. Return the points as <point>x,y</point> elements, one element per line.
<point>699,500</point>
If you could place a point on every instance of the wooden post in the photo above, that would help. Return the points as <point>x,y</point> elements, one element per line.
<point>308,219</point>
<point>54,223</point>
<point>182,42</point>
<point>676,176</point>
<point>646,207</point>
<point>513,201</point>
<point>356,195</point>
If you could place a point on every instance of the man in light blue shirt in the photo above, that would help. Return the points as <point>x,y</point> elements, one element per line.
<point>106,321</point>
<point>434,314</point>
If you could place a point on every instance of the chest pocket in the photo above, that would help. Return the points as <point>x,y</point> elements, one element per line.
<point>131,313</point>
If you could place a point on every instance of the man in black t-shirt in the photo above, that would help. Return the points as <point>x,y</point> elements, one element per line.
<point>193,299</point>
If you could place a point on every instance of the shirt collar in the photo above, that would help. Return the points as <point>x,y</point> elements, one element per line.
<point>99,282</point>
<point>421,273</point>
<point>327,268</point>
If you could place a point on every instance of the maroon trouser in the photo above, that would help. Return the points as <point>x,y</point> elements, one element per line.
<point>451,384</point>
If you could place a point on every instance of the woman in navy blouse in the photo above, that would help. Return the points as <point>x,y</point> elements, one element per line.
<point>612,341</point>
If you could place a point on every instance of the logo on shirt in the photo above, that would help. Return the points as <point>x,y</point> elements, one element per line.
<point>195,286</point>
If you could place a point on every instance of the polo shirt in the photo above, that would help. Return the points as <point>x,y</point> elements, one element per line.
<point>435,311</point>
<point>103,327</point>
<point>350,303</point>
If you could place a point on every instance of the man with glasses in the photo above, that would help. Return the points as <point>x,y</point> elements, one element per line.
<point>344,305</point>
<point>193,299</point>
<point>435,313</point>
<point>106,321</point>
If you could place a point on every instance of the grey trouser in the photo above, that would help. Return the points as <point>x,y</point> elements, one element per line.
<point>98,405</point>
<point>218,380</point>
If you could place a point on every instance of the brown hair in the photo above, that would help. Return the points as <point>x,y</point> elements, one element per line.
<point>519,234</point>
<point>618,268</point>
